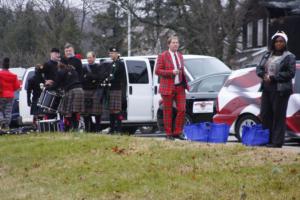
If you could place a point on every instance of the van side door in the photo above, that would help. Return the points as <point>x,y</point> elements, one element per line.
<point>139,89</point>
<point>23,107</point>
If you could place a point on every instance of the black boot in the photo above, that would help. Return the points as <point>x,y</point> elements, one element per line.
<point>119,123</point>
<point>67,124</point>
<point>98,123</point>
<point>87,124</point>
<point>112,119</point>
<point>75,122</point>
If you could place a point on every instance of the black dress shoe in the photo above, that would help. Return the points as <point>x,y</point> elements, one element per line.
<point>273,145</point>
<point>170,137</point>
<point>179,137</point>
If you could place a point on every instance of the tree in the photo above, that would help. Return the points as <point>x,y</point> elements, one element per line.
<point>60,25</point>
<point>203,26</point>
<point>111,29</point>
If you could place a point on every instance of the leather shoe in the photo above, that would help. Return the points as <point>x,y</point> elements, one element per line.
<point>179,137</point>
<point>170,137</point>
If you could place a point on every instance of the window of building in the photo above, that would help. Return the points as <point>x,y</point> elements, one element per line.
<point>260,32</point>
<point>249,34</point>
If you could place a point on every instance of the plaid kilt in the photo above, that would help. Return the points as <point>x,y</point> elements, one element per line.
<point>72,102</point>
<point>115,101</point>
<point>93,102</point>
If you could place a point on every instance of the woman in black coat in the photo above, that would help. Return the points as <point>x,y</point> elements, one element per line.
<point>276,69</point>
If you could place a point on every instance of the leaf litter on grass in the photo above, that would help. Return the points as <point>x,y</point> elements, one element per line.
<point>110,167</point>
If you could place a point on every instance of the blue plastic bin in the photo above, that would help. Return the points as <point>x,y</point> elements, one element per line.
<point>196,132</point>
<point>255,135</point>
<point>218,133</point>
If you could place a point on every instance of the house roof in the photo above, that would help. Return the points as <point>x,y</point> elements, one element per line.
<point>292,7</point>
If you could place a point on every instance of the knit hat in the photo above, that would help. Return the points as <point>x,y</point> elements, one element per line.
<point>56,50</point>
<point>5,63</point>
<point>281,34</point>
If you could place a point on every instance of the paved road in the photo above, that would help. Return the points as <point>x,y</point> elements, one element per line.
<point>289,144</point>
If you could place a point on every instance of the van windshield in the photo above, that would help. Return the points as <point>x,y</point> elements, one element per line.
<point>198,67</point>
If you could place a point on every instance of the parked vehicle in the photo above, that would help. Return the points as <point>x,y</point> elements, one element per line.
<point>16,119</point>
<point>239,102</point>
<point>142,95</point>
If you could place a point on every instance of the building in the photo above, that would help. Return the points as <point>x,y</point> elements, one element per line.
<point>264,18</point>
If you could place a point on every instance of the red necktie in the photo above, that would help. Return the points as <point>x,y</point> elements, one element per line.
<point>176,60</point>
<point>179,68</point>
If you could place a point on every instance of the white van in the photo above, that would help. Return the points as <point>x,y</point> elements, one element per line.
<point>142,97</point>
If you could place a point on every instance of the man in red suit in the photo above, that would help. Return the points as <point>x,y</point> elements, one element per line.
<point>172,87</point>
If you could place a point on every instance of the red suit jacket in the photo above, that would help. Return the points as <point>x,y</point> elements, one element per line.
<point>164,68</point>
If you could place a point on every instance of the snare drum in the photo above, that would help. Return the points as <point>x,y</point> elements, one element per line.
<point>41,98</point>
<point>49,101</point>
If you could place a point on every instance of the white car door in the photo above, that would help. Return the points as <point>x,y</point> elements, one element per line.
<point>139,89</point>
<point>156,95</point>
<point>23,107</point>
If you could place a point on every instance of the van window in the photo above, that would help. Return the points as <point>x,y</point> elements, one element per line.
<point>29,76</point>
<point>137,72</point>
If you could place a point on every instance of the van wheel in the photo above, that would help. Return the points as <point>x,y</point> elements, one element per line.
<point>147,129</point>
<point>129,129</point>
<point>248,120</point>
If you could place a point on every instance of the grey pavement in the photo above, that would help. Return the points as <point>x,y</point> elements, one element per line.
<point>289,144</point>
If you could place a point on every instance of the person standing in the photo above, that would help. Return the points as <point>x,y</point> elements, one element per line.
<point>49,72</point>
<point>49,69</point>
<point>72,59</point>
<point>34,92</point>
<point>93,76</point>
<point>9,83</point>
<point>170,69</point>
<point>72,103</point>
<point>276,69</point>
<point>117,79</point>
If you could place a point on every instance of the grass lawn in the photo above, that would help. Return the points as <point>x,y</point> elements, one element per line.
<point>87,166</point>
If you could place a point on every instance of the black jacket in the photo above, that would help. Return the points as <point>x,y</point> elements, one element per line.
<point>34,87</point>
<point>66,79</point>
<point>285,72</point>
<point>118,78</point>
<point>93,76</point>
<point>76,63</point>
<point>49,70</point>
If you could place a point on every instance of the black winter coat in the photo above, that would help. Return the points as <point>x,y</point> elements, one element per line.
<point>285,72</point>
<point>93,76</point>
<point>118,79</point>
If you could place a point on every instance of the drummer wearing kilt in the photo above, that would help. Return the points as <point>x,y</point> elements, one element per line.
<point>117,79</point>
<point>49,72</point>
<point>34,91</point>
<point>72,102</point>
<point>93,76</point>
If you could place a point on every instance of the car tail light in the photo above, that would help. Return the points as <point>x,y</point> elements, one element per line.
<point>217,105</point>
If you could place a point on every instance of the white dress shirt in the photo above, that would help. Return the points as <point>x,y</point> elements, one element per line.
<point>176,81</point>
